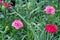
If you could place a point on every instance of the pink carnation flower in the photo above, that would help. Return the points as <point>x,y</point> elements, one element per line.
<point>49,10</point>
<point>5,4</point>
<point>0,1</point>
<point>51,28</point>
<point>17,24</point>
<point>9,6</point>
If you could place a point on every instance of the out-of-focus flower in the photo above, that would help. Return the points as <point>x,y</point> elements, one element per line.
<point>0,1</point>
<point>51,28</point>
<point>49,10</point>
<point>5,4</point>
<point>9,6</point>
<point>17,24</point>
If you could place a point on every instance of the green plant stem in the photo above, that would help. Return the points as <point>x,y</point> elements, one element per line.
<point>2,36</point>
<point>51,35</point>
<point>23,19</point>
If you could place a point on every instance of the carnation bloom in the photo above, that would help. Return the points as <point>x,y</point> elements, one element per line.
<point>17,24</point>
<point>5,4</point>
<point>0,1</point>
<point>51,28</point>
<point>9,6</point>
<point>49,10</point>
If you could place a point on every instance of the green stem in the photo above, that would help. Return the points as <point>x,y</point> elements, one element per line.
<point>51,35</point>
<point>23,19</point>
<point>2,36</point>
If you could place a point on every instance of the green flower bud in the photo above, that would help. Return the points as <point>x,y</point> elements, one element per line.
<point>3,8</point>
